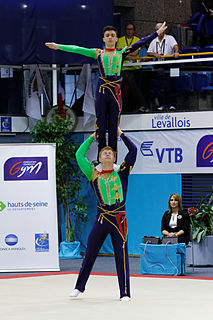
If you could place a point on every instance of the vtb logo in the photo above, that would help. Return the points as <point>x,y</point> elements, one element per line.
<point>164,154</point>
<point>205,151</point>
<point>2,206</point>
<point>146,148</point>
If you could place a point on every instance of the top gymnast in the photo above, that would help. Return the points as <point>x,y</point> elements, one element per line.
<point>108,95</point>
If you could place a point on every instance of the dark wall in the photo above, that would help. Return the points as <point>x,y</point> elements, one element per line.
<point>147,13</point>
<point>26,25</point>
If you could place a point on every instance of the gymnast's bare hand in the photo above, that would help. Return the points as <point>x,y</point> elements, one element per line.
<point>94,135</point>
<point>52,45</point>
<point>119,132</point>
<point>162,29</point>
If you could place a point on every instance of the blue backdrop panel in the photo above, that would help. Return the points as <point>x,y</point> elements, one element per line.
<point>147,201</point>
<point>163,259</point>
<point>26,25</point>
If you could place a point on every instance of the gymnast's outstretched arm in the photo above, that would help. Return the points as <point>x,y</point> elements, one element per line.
<point>91,53</point>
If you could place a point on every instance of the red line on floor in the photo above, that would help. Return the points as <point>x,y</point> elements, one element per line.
<point>100,274</point>
<point>31,275</point>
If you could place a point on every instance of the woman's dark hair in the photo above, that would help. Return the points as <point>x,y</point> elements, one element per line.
<point>109,28</point>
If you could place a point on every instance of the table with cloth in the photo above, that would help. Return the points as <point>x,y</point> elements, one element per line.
<point>160,259</point>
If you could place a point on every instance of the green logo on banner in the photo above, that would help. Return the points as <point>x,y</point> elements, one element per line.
<point>2,206</point>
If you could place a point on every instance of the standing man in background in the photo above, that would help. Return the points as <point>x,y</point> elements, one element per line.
<point>164,44</point>
<point>132,74</point>
<point>162,86</point>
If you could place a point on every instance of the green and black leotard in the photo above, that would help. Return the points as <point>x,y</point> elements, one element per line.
<point>108,94</point>
<point>110,188</point>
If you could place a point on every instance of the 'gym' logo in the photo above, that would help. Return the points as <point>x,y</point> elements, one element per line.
<point>205,151</point>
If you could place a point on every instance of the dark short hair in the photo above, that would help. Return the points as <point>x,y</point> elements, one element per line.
<point>131,24</point>
<point>109,28</point>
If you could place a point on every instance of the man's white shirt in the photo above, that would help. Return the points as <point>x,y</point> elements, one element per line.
<point>164,47</point>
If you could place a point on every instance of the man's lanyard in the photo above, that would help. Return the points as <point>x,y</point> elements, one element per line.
<point>160,46</point>
<point>130,41</point>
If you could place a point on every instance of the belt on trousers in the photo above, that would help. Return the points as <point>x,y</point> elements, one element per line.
<point>119,215</point>
<point>111,85</point>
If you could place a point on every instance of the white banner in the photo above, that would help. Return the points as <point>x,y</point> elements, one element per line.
<point>28,208</point>
<point>182,151</point>
<point>158,121</point>
<point>185,151</point>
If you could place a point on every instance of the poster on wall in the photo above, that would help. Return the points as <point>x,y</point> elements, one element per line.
<point>166,152</point>
<point>28,208</point>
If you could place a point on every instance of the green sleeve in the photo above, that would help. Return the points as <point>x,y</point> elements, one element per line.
<point>83,162</point>
<point>80,50</point>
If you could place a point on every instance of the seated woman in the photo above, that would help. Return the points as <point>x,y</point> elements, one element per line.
<point>175,221</point>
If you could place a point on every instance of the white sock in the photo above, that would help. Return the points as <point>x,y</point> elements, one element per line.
<point>74,293</point>
<point>125,298</point>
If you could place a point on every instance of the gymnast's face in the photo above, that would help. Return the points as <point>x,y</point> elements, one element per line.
<point>110,38</point>
<point>107,156</point>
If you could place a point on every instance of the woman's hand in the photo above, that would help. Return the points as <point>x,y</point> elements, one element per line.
<point>171,234</point>
<point>52,45</point>
<point>162,29</point>
<point>179,233</point>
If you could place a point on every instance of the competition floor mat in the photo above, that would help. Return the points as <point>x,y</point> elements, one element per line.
<point>47,297</point>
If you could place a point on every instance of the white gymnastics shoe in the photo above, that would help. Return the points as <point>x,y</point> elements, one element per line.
<point>74,293</point>
<point>125,298</point>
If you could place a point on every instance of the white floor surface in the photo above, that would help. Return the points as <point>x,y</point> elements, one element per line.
<point>47,297</point>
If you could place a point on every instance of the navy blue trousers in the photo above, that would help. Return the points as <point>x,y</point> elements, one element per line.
<point>108,109</point>
<point>117,230</point>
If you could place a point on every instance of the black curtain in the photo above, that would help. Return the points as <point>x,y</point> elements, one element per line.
<point>25,25</point>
